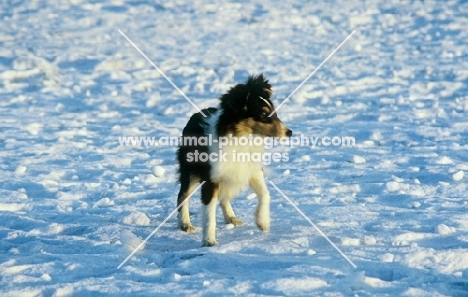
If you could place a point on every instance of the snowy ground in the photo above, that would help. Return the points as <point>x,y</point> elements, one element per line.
<point>74,203</point>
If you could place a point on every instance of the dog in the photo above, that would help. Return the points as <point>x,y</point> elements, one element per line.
<point>243,112</point>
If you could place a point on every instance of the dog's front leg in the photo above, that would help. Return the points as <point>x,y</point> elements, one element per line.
<point>262,215</point>
<point>209,193</point>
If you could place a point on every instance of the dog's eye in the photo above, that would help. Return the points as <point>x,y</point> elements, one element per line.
<point>264,117</point>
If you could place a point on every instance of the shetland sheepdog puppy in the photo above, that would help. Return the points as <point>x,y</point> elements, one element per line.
<point>211,155</point>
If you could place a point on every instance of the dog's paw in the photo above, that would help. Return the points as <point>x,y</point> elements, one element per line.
<point>209,242</point>
<point>188,228</point>
<point>264,227</point>
<point>262,220</point>
<point>235,221</point>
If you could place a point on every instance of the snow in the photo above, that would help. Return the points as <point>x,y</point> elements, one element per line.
<point>251,196</point>
<point>159,171</point>
<point>74,203</point>
<point>20,170</point>
<point>442,229</point>
<point>130,240</point>
<point>457,176</point>
<point>294,286</point>
<point>387,257</point>
<point>356,159</point>
<point>136,219</point>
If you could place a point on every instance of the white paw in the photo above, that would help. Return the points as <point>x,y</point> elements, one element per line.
<point>263,221</point>
<point>265,227</point>
<point>235,221</point>
<point>188,228</point>
<point>209,242</point>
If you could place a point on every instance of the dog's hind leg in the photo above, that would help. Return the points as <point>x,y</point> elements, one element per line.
<point>229,215</point>
<point>209,197</point>
<point>262,215</point>
<point>187,186</point>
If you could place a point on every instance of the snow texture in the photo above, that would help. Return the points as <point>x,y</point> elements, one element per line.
<point>75,202</point>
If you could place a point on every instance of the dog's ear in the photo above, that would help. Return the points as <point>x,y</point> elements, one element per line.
<point>268,92</point>
<point>258,82</point>
<point>259,86</point>
<point>235,100</point>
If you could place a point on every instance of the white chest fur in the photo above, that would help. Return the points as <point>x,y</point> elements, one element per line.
<point>236,163</point>
<point>235,169</point>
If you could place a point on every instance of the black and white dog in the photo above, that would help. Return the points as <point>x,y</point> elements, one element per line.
<point>244,112</point>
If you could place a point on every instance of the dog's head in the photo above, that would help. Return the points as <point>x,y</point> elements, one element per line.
<point>248,106</point>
